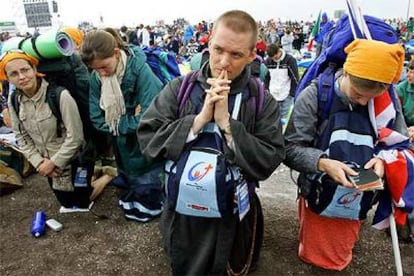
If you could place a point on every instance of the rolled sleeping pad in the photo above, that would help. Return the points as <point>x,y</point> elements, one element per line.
<point>49,45</point>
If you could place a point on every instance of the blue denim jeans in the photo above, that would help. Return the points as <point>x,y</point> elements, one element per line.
<point>284,108</point>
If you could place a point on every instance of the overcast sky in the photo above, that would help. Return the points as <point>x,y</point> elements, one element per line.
<point>132,12</point>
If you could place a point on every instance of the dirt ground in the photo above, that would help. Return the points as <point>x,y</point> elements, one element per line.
<point>115,246</point>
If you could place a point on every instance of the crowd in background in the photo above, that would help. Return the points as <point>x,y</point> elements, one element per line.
<point>185,39</point>
<point>122,88</point>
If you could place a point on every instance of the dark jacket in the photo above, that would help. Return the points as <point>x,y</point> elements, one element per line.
<point>258,141</point>
<point>204,246</point>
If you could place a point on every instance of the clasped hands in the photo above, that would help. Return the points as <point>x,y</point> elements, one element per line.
<point>48,168</point>
<point>215,104</point>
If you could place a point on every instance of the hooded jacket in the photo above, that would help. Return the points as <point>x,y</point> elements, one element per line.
<point>139,86</point>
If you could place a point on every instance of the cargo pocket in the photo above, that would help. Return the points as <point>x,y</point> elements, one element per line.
<point>47,122</point>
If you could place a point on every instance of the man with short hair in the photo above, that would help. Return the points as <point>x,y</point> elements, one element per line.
<point>252,142</point>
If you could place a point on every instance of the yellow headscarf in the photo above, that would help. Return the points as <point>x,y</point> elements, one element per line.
<point>74,33</point>
<point>11,55</point>
<point>374,60</point>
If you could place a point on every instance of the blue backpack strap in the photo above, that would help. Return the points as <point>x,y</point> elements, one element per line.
<point>326,86</point>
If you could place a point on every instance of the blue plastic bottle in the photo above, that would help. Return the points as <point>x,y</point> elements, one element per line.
<point>38,224</point>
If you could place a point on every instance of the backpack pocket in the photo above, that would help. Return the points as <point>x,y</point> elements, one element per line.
<point>330,199</point>
<point>73,187</point>
<point>63,182</point>
<point>201,183</point>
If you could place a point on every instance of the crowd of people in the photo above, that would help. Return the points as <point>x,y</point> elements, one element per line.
<point>193,151</point>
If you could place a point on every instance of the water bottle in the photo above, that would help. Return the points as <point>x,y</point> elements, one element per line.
<point>38,224</point>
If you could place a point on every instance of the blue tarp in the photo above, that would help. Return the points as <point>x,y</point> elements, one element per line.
<point>305,63</point>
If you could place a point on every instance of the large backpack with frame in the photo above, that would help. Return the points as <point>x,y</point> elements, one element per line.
<point>332,56</point>
<point>322,73</point>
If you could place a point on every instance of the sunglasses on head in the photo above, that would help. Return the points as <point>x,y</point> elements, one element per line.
<point>18,51</point>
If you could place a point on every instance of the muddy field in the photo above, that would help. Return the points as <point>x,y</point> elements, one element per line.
<point>88,245</point>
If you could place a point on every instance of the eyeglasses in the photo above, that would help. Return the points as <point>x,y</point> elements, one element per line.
<point>26,71</point>
<point>15,74</point>
<point>4,54</point>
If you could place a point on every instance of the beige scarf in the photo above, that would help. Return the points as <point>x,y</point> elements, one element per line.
<point>112,100</point>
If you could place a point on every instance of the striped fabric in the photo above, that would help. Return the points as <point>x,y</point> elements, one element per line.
<point>135,210</point>
<point>393,148</point>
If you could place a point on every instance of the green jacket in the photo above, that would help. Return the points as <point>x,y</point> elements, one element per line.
<point>139,86</point>
<point>405,92</point>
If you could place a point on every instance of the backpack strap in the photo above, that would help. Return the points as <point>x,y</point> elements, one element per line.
<point>20,45</point>
<point>326,87</point>
<point>184,92</point>
<point>53,100</point>
<point>255,66</point>
<point>257,95</point>
<point>205,55</point>
<point>35,49</point>
<point>236,107</point>
<point>15,102</point>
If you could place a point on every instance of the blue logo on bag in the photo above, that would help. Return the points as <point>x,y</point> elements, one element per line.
<point>198,171</point>
<point>345,204</point>
<point>348,198</point>
<point>204,188</point>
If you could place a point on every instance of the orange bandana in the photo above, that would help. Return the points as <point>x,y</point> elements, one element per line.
<point>374,60</point>
<point>15,54</point>
<point>75,34</point>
